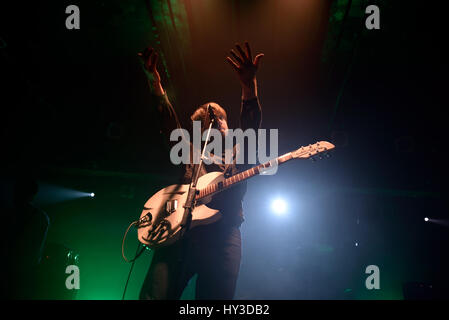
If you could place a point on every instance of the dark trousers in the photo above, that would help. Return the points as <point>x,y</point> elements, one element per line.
<point>213,252</point>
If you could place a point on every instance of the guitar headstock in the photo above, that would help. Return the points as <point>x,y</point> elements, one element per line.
<point>320,148</point>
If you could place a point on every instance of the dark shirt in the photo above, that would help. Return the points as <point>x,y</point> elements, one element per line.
<point>229,202</point>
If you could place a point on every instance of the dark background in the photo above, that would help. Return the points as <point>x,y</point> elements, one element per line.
<point>77,115</point>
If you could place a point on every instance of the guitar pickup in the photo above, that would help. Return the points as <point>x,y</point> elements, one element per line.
<point>171,206</point>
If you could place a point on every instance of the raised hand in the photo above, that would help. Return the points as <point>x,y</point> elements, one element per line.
<point>149,59</point>
<point>244,65</point>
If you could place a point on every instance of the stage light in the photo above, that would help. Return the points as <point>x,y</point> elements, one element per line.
<point>356,244</point>
<point>279,206</point>
<point>426,219</point>
<point>51,194</point>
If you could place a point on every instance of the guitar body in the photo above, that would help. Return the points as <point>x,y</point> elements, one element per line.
<point>160,220</point>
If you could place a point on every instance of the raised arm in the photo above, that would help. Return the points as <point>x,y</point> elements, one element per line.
<point>149,62</point>
<point>168,115</point>
<point>246,67</point>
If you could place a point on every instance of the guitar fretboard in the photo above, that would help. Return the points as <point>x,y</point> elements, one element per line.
<point>242,176</point>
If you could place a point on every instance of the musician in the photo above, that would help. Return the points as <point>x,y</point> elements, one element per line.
<point>213,252</point>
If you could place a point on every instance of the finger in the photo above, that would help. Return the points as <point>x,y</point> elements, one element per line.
<point>248,51</point>
<point>232,63</point>
<point>147,52</point>
<point>142,59</point>
<point>257,59</point>
<point>242,53</point>
<point>154,58</point>
<point>236,57</point>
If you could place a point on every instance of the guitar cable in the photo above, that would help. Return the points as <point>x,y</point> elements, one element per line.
<point>132,261</point>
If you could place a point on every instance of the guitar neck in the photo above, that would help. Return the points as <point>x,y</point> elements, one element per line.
<point>242,176</point>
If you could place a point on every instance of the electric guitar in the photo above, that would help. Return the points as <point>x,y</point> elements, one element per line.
<point>160,222</point>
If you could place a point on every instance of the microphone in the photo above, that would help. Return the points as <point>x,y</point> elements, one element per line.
<point>212,116</point>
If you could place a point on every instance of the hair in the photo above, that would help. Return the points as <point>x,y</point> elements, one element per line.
<point>201,114</point>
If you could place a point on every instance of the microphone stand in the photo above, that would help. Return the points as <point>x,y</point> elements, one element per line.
<point>190,202</point>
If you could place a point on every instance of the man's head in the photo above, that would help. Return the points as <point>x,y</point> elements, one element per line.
<point>201,114</point>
